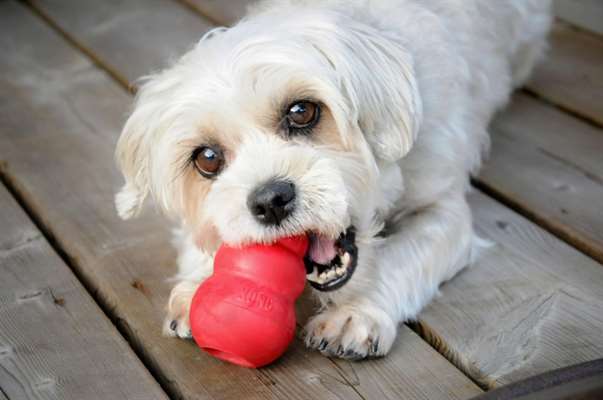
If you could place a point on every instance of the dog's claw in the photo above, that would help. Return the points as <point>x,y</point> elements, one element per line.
<point>352,355</point>
<point>350,333</point>
<point>374,348</point>
<point>174,325</point>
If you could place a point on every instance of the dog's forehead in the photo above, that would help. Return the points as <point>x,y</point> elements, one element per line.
<point>235,100</point>
<point>245,79</point>
<point>258,57</point>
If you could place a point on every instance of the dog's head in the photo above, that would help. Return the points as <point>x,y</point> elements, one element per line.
<point>275,127</point>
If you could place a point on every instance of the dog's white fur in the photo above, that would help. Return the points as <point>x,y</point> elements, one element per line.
<point>408,88</point>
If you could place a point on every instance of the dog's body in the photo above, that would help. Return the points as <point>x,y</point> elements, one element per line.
<point>401,92</point>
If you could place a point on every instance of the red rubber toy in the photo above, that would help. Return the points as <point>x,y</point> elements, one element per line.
<point>244,313</point>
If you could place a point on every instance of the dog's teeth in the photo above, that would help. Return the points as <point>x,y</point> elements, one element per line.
<point>313,276</point>
<point>331,274</point>
<point>345,259</point>
<point>340,271</point>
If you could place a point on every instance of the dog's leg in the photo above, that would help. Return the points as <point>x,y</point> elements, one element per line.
<point>403,274</point>
<point>194,266</point>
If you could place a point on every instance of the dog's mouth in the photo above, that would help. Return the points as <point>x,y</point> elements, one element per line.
<point>331,263</point>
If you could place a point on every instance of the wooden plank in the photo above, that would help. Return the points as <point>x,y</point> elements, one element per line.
<point>587,14</point>
<point>407,372</point>
<point>571,76</point>
<point>529,305</point>
<point>55,342</point>
<point>549,164</point>
<point>396,375</point>
<point>220,12</point>
<point>72,140</point>
<point>141,48</point>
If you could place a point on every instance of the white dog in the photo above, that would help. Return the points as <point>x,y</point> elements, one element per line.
<point>357,123</point>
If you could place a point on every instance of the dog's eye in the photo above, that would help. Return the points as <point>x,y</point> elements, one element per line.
<point>208,160</point>
<point>302,114</point>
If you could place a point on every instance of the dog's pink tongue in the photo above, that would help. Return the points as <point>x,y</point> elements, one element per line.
<point>322,249</point>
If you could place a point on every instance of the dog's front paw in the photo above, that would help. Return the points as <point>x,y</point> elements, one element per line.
<point>351,332</point>
<point>177,326</point>
<point>176,323</point>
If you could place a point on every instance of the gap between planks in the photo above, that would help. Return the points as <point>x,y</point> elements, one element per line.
<point>566,110</point>
<point>112,72</point>
<point>525,211</point>
<point>14,190</point>
<point>571,87</point>
<point>81,353</point>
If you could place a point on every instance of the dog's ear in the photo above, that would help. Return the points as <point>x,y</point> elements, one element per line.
<point>133,150</point>
<point>377,76</point>
<point>132,158</point>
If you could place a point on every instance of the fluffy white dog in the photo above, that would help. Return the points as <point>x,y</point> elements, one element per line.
<point>357,123</point>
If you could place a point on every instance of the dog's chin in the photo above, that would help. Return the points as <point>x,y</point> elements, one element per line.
<point>330,263</point>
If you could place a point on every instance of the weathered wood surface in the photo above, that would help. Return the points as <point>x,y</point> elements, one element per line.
<point>500,260</point>
<point>220,12</point>
<point>587,14</point>
<point>78,116</point>
<point>55,342</point>
<point>550,165</point>
<point>531,303</point>
<point>572,74</point>
<point>142,45</point>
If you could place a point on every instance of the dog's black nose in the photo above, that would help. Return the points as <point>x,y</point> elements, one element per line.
<point>272,202</point>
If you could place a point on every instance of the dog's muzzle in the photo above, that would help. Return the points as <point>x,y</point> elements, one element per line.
<point>331,263</point>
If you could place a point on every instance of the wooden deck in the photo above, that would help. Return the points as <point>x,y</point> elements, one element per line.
<point>82,293</point>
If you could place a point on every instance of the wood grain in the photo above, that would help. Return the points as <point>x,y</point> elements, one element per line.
<point>61,164</point>
<point>140,48</point>
<point>549,165</point>
<point>55,342</point>
<point>571,76</point>
<point>530,304</point>
<point>587,14</point>
<point>220,12</point>
<point>396,376</point>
